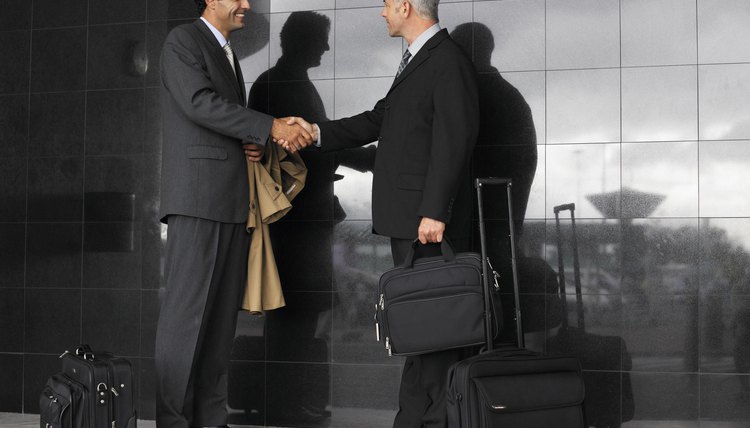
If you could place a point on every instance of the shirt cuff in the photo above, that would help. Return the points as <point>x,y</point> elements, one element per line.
<point>319,142</point>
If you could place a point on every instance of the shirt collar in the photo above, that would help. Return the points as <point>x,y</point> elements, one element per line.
<point>219,37</point>
<point>426,35</point>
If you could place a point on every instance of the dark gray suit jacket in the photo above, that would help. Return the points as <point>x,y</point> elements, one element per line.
<point>204,170</point>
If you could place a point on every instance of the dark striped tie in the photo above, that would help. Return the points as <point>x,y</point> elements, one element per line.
<point>404,61</point>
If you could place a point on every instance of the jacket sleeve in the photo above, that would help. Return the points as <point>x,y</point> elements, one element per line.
<point>355,131</point>
<point>454,132</point>
<point>185,76</point>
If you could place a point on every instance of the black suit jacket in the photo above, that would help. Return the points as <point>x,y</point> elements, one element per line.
<point>426,126</point>
<point>205,122</point>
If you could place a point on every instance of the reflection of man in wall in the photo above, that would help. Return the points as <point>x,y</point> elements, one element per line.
<point>426,127</point>
<point>204,197</point>
<point>506,146</point>
<point>286,89</point>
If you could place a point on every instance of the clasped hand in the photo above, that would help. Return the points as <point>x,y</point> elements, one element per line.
<point>292,133</point>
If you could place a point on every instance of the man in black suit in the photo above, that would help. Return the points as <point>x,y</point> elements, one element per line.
<point>204,199</point>
<point>426,127</point>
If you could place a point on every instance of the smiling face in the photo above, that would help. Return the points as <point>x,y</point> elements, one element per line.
<point>226,15</point>
<point>393,13</point>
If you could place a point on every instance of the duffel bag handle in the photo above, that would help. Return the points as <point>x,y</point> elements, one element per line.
<point>445,248</point>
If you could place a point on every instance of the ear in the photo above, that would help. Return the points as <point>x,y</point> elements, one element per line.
<point>406,8</point>
<point>210,4</point>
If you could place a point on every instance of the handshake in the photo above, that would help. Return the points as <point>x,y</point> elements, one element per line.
<point>292,133</point>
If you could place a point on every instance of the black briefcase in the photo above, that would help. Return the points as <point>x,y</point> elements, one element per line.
<point>431,304</point>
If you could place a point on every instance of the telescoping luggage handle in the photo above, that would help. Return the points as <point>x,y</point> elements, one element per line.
<point>485,274</point>
<point>576,266</point>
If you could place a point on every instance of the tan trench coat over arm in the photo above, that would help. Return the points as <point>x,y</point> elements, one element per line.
<point>273,184</point>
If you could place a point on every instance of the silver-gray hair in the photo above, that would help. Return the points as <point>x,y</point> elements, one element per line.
<point>425,8</point>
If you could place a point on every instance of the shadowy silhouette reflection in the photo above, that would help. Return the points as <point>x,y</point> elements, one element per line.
<point>302,240</point>
<point>506,147</point>
<point>299,332</point>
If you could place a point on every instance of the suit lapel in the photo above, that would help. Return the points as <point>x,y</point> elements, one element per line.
<point>240,79</point>
<point>421,57</point>
<point>221,58</point>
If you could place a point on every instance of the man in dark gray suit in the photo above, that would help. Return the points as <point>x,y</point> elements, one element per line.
<point>204,199</point>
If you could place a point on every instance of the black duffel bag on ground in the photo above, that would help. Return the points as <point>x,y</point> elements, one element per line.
<point>431,304</point>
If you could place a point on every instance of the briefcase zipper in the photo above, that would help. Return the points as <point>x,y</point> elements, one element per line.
<point>388,346</point>
<point>380,305</point>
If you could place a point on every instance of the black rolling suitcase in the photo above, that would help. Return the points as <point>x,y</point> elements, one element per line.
<point>511,386</point>
<point>605,408</point>
<point>94,390</point>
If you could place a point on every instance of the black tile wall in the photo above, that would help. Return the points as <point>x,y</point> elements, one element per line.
<point>14,75</point>
<point>297,394</point>
<point>636,111</point>
<point>58,60</point>
<point>14,111</point>
<point>113,56</point>
<point>115,122</point>
<point>53,255</point>
<point>247,392</point>
<point>301,331</point>
<point>36,370</point>
<point>12,262</point>
<point>52,309</point>
<point>149,316</point>
<point>11,317</point>
<point>11,395</point>
<point>57,124</point>
<point>13,189</point>
<point>49,14</point>
<point>171,9</point>
<point>107,13</point>
<point>16,18</point>
<point>55,189</point>
<point>111,320</point>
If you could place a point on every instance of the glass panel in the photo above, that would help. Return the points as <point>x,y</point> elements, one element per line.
<point>509,34</point>
<point>301,45</point>
<point>297,5</point>
<point>364,47</point>
<point>660,180</point>
<point>583,106</point>
<point>584,174</point>
<point>724,174</point>
<point>665,398</point>
<point>454,14</point>
<point>658,32</point>
<point>661,332</point>
<point>724,110</point>
<point>583,33</point>
<point>353,96</point>
<point>723,33</point>
<point>659,104</point>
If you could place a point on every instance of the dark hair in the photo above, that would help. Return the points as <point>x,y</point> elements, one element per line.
<point>303,28</point>
<point>201,4</point>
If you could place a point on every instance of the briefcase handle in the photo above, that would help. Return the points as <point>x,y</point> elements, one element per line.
<point>445,248</point>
